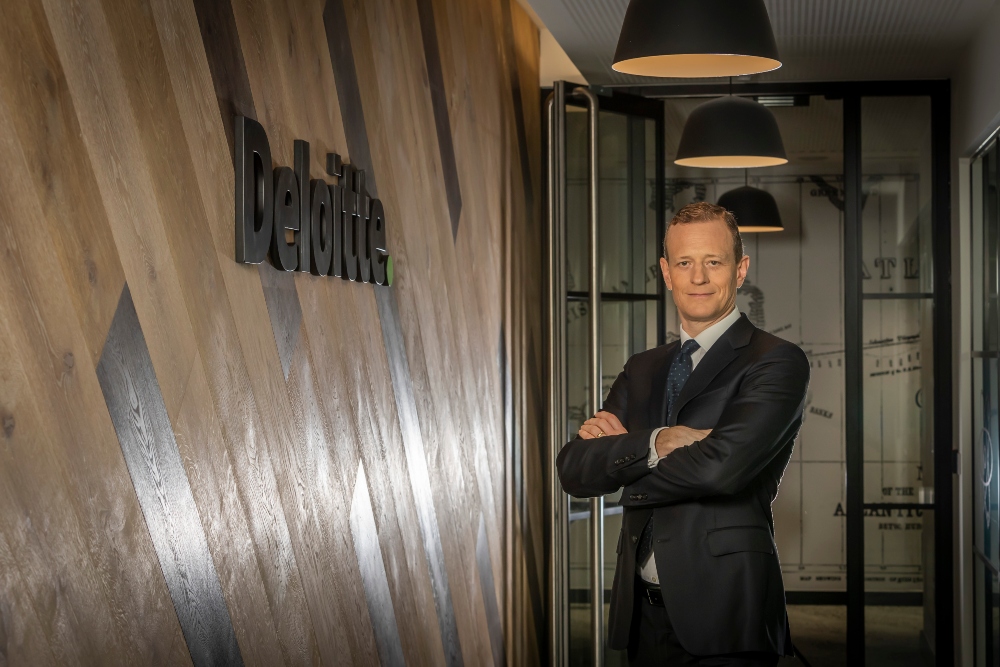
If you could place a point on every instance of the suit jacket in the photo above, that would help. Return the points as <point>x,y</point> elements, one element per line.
<point>710,503</point>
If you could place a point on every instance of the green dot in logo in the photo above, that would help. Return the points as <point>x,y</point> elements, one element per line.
<point>388,270</point>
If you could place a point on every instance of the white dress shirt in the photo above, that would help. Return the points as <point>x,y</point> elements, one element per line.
<point>706,339</point>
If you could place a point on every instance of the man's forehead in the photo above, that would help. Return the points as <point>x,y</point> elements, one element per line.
<point>702,230</point>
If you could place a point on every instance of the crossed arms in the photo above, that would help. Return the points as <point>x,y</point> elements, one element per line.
<point>755,425</point>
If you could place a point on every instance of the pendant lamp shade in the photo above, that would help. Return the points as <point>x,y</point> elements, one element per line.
<point>754,210</point>
<point>696,38</point>
<point>731,132</point>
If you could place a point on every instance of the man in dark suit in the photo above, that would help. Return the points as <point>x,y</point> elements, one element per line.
<point>698,432</point>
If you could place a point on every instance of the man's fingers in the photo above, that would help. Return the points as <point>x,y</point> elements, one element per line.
<point>588,431</point>
<point>613,421</point>
<point>601,425</point>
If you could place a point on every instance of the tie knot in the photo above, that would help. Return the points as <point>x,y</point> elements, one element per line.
<point>689,347</point>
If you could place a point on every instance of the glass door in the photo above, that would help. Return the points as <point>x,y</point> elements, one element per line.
<point>604,180</point>
<point>986,404</point>
<point>897,368</point>
<point>898,381</point>
<point>859,279</point>
<point>863,517</point>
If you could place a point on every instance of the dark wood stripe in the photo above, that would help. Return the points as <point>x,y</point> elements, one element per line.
<point>439,101</point>
<point>345,74</point>
<point>232,90</point>
<point>283,309</point>
<point>535,570</point>
<point>225,61</point>
<point>489,594</point>
<point>416,460</point>
<point>146,437</point>
<point>373,575</point>
<point>515,92</point>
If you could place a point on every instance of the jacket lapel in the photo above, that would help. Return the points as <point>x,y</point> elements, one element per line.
<point>717,358</point>
<point>658,394</point>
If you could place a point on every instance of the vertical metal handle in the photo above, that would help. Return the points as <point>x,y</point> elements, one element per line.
<point>555,107</point>
<point>596,392</point>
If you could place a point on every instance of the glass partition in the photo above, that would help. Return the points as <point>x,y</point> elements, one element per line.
<point>986,405</point>
<point>898,362</point>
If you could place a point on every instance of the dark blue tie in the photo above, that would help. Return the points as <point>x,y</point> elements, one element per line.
<point>680,371</point>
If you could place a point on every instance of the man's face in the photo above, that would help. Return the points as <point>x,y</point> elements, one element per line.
<point>701,271</point>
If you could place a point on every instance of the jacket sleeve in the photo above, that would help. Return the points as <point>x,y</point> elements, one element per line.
<point>753,428</point>
<point>598,466</point>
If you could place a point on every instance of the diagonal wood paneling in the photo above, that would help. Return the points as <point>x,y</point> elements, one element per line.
<point>277,388</point>
<point>439,100</point>
<point>161,484</point>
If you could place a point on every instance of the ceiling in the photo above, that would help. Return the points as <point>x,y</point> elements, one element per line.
<point>819,40</point>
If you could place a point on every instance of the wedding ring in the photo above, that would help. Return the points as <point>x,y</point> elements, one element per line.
<point>600,434</point>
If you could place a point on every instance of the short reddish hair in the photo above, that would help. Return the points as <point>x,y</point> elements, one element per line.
<point>702,211</point>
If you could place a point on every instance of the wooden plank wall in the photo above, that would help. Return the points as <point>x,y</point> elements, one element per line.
<point>204,462</point>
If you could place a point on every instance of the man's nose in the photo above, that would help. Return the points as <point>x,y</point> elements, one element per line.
<point>700,275</point>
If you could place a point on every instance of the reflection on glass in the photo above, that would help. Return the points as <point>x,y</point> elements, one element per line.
<point>629,246</point>
<point>896,194</point>
<point>897,373</point>
<point>898,350</point>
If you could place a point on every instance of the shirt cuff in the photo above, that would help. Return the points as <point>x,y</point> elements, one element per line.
<point>653,458</point>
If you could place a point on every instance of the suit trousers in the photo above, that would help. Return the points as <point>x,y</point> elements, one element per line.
<point>652,642</point>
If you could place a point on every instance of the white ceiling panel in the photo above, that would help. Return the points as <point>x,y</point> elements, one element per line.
<point>819,40</point>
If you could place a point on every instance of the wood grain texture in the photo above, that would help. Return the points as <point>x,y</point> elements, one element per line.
<point>439,100</point>
<point>276,388</point>
<point>161,484</point>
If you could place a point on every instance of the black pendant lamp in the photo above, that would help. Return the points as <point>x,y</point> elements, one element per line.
<point>731,132</point>
<point>755,210</point>
<point>696,38</point>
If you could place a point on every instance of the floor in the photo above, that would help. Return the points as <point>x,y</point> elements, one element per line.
<point>819,633</point>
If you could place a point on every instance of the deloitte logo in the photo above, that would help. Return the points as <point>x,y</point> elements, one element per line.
<point>303,224</point>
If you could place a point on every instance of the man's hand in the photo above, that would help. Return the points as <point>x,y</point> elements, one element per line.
<point>676,437</point>
<point>603,423</point>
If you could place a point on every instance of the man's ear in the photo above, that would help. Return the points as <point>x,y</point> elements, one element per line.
<point>741,270</point>
<point>664,269</point>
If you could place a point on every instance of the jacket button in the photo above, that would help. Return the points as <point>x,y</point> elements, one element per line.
<point>619,462</point>
<point>631,496</point>
<point>635,538</point>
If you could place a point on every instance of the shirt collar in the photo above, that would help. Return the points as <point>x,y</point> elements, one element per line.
<point>707,338</point>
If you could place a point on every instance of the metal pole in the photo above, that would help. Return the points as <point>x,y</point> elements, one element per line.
<point>563,398</point>
<point>555,107</point>
<point>596,504</point>
<point>853,384</point>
